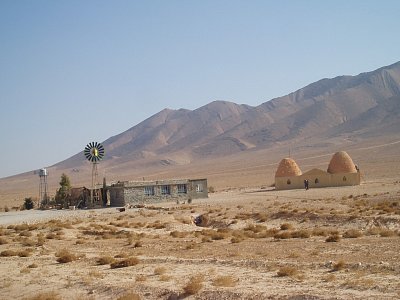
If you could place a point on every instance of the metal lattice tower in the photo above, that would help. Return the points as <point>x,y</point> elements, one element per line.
<point>94,152</point>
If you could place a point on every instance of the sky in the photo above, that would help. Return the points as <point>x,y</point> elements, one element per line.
<point>73,72</point>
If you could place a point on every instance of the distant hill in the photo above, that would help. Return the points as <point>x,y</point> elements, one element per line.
<point>346,107</point>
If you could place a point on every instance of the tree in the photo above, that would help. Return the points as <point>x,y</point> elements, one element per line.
<point>63,191</point>
<point>28,204</point>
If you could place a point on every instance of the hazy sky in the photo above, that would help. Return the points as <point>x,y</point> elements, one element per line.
<point>72,72</point>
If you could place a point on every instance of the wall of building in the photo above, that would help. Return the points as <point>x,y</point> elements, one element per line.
<point>142,192</point>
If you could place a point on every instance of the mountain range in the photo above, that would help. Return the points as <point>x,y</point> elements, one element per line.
<point>362,105</point>
<point>327,112</point>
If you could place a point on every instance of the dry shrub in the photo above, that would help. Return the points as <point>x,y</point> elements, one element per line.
<point>352,234</point>
<point>157,225</point>
<point>286,226</point>
<point>8,253</point>
<point>340,265</point>
<point>121,255</point>
<point>387,233</point>
<point>20,227</point>
<point>184,220</point>
<point>194,285</point>
<point>3,241</point>
<point>160,270</point>
<point>333,238</point>
<point>28,242</point>
<point>95,274</point>
<point>225,281</point>
<point>33,266</point>
<point>302,234</point>
<point>140,278</point>
<point>179,234</point>
<point>138,244</point>
<point>50,236</point>
<point>165,277</point>
<point>24,253</point>
<point>64,256</point>
<point>190,245</point>
<point>294,255</point>
<point>206,239</point>
<point>25,233</point>
<point>80,242</point>
<point>374,231</point>
<point>25,271</point>
<point>319,232</point>
<point>329,278</point>
<point>235,240</point>
<point>128,262</point>
<point>105,260</point>
<point>129,296</point>
<point>283,235</point>
<point>214,235</point>
<point>46,296</point>
<point>260,217</point>
<point>255,228</point>
<point>287,271</point>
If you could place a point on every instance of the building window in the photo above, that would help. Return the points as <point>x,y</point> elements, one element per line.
<point>165,190</point>
<point>182,189</point>
<point>288,181</point>
<point>316,181</point>
<point>149,190</point>
<point>344,178</point>
<point>199,188</point>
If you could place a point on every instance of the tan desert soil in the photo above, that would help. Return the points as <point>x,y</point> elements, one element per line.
<point>254,244</point>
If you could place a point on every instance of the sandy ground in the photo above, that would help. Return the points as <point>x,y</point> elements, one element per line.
<point>331,243</point>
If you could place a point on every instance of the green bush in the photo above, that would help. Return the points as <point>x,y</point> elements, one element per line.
<point>29,204</point>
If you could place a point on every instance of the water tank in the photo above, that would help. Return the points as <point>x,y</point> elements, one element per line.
<point>43,172</point>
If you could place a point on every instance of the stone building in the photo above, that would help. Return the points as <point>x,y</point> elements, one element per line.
<point>145,192</point>
<point>341,172</point>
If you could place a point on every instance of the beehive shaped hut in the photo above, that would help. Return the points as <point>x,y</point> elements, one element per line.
<point>341,162</point>
<point>287,168</point>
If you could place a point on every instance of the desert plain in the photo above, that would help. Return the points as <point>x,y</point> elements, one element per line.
<point>331,243</point>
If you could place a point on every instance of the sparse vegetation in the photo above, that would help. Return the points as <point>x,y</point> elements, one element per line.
<point>65,256</point>
<point>333,238</point>
<point>263,234</point>
<point>340,265</point>
<point>352,233</point>
<point>46,296</point>
<point>128,262</point>
<point>287,271</point>
<point>194,285</point>
<point>225,281</point>
<point>160,270</point>
<point>129,296</point>
<point>105,260</point>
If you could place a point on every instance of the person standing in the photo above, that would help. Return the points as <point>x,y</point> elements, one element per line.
<point>306,184</point>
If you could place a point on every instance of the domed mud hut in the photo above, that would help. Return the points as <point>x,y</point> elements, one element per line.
<point>341,172</point>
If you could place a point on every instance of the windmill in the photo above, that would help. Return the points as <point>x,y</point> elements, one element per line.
<point>94,152</point>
